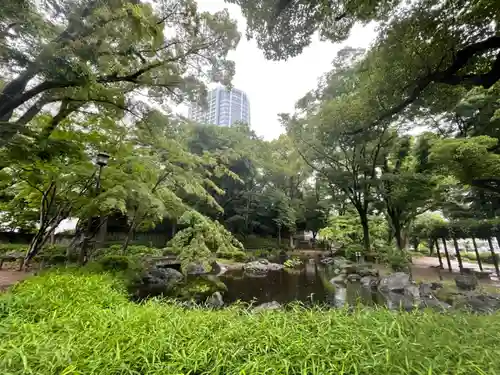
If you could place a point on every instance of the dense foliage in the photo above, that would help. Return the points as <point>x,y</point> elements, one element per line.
<point>78,78</point>
<point>157,338</point>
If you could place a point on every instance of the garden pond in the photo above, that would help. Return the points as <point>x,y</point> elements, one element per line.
<point>308,284</point>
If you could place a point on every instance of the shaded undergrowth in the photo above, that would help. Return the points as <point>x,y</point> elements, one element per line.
<point>63,323</point>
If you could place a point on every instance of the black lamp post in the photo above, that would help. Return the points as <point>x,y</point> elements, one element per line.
<point>101,161</point>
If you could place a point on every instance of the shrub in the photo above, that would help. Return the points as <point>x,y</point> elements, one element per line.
<point>132,250</point>
<point>237,255</point>
<point>13,247</point>
<point>398,260</point>
<point>253,242</point>
<point>63,323</point>
<point>293,262</point>
<point>423,248</point>
<point>115,263</point>
<point>265,253</point>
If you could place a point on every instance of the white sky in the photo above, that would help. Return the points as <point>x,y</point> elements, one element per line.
<point>274,87</point>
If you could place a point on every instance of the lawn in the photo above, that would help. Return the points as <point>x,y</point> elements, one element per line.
<point>62,323</point>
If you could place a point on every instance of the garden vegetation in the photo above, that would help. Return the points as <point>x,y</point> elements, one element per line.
<point>68,323</point>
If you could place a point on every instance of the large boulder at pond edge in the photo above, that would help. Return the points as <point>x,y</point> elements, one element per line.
<point>268,306</point>
<point>261,267</point>
<point>215,301</point>
<point>398,301</point>
<point>339,279</point>
<point>395,282</point>
<point>200,269</point>
<point>199,288</point>
<point>466,282</point>
<point>156,281</point>
<point>369,282</point>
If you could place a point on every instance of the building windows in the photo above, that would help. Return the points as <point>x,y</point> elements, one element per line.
<point>224,108</point>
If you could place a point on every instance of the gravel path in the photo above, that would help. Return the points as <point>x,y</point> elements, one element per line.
<point>10,277</point>
<point>432,262</point>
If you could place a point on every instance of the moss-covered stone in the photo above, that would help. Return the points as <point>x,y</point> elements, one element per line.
<point>200,288</point>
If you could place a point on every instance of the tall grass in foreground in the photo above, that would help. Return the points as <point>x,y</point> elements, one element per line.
<point>83,324</point>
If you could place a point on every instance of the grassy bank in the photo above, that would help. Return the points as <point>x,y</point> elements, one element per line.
<point>84,324</point>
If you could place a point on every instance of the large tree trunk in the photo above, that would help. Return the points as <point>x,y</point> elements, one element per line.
<point>279,235</point>
<point>398,235</point>
<point>366,231</point>
<point>39,240</point>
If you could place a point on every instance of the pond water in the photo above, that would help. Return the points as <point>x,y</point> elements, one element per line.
<point>309,284</point>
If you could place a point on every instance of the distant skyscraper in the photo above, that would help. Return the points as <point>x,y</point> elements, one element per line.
<point>224,108</point>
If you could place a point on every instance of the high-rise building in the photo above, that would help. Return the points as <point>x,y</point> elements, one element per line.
<point>224,108</point>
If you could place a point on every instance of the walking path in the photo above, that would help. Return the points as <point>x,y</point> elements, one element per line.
<point>434,262</point>
<point>10,277</point>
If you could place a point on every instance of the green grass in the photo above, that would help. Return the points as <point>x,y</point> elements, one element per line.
<point>62,323</point>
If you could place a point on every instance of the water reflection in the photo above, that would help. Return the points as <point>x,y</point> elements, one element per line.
<point>309,284</point>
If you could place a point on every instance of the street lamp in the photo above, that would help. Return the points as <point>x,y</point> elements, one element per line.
<point>101,160</point>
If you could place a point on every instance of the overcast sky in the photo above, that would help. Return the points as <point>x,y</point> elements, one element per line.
<point>274,87</point>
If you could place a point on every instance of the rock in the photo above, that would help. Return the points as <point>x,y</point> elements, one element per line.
<point>339,279</point>
<point>397,301</point>
<point>215,301</point>
<point>450,296</point>
<point>467,271</point>
<point>428,298</point>
<point>268,306</point>
<point>353,277</point>
<point>261,267</point>
<point>369,282</point>
<point>157,281</point>
<point>466,282</point>
<point>482,275</point>
<point>327,260</point>
<point>426,290</point>
<point>436,286</point>
<point>395,282</point>
<point>341,260</point>
<point>200,269</point>
<point>367,272</point>
<point>412,291</point>
<point>200,288</point>
<point>348,268</point>
<point>483,303</point>
<point>434,303</point>
<point>223,269</point>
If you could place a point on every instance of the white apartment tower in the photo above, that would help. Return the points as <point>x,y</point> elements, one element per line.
<point>224,108</point>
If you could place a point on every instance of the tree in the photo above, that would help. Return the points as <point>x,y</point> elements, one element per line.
<point>284,27</point>
<point>201,239</point>
<point>315,209</point>
<point>55,184</point>
<point>427,54</point>
<point>469,160</point>
<point>405,190</point>
<point>93,53</point>
<point>326,136</point>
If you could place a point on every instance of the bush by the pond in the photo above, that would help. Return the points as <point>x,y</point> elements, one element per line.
<point>13,247</point>
<point>115,263</point>
<point>132,250</point>
<point>69,324</point>
<point>264,253</point>
<point>252,242</point>
<point>236,255</point>
<point>48,250</point>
